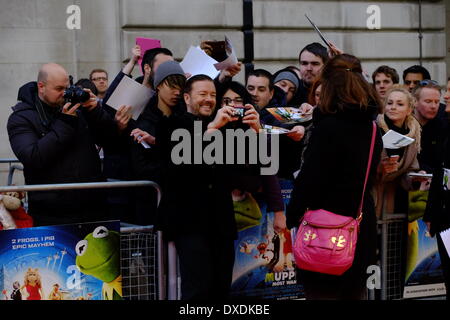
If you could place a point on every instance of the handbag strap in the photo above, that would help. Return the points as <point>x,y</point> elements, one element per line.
<point>369,162</point>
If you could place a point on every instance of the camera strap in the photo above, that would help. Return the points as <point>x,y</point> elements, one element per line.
<point>42,114</point>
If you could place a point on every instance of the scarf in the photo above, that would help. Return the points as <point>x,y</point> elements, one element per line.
<point>410,124</point>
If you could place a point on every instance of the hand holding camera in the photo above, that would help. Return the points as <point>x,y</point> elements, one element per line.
<point>252,117</point>
<point>77,95</point>
<point>70,109</point>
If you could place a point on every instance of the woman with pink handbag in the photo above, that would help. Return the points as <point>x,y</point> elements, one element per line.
<point>331,201</point>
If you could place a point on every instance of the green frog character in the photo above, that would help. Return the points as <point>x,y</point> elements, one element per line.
<point>98,255</point>
<point>246,210</point>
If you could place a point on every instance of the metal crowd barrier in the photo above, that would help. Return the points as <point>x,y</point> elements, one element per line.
<point>13,164</point>
<point>392,251</point>
<point>143,252</point>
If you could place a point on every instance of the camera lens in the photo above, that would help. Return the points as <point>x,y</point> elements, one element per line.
<point>76,95</point>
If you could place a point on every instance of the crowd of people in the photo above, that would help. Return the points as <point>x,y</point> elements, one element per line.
<point>59,141</point>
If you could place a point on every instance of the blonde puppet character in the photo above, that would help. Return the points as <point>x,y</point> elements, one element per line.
<point>32,285</point>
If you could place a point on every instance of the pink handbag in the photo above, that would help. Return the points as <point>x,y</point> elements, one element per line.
<point>325,241</point>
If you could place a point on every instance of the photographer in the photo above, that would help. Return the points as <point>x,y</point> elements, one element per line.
<point>53,131</point>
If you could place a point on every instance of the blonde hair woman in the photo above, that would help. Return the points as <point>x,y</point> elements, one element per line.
<point>393,183</point>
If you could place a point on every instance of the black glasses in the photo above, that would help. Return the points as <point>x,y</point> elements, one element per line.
<point>228,101</point>
<point>427,82</point>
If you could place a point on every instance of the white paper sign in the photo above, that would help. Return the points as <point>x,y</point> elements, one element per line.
<point>196,61</point>
<point>395,140</point>
<point>445,235</point>
<point>130,93</point>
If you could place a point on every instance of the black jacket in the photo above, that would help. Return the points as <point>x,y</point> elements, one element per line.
<point>196,197</point>
<point>290,150</point>
<point>333,173</point>
<point>301,96</point>
<point>438,205</point>
<point>432,142</point>
<point>58,148</point>
<point>117,162</point>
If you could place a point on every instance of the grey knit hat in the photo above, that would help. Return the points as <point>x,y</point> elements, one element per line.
<point>287,75</point>
<point>166,69</point>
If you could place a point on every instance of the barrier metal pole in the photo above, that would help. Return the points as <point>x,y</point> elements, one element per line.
<point>85,185</point>
<point>161,267</point>
<point>172,275</point>
<point>12,168</point>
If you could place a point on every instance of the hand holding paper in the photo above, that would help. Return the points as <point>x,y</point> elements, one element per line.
<point>122,117</point>
<point>130,93</point>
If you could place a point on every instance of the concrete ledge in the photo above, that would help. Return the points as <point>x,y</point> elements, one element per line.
<point>220,13</point>
<point>345,14</point>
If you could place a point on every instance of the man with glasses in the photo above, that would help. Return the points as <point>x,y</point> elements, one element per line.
<point>434,127</point>
<point>100,78</point>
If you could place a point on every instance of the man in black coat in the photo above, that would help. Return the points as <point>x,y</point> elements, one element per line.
<point>434,126</point>
<point>56,143</point>
<point>437,212</point>
<point>196,209</point>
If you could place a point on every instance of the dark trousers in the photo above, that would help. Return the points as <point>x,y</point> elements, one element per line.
<point>445,262</point>
<point>318,286</point>
<point>206,266</point>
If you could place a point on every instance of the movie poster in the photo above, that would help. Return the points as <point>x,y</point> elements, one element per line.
<point>41,263</point>
<point>423,265</point>
<point>264,263</point>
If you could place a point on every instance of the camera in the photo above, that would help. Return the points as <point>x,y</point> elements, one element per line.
<point>239,112</point>
<point>76,95</point>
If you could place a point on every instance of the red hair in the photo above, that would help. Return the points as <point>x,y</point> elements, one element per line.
<point>343,83</point>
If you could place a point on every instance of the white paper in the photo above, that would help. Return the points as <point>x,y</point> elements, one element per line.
<point>130,93</point>
<point>274,130</point>
<point>422,175</point>
<point>196,61</point>
<point>143,143</point>
<point>395,140</point>
<point>445,235</point>
<point>231,60</point>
